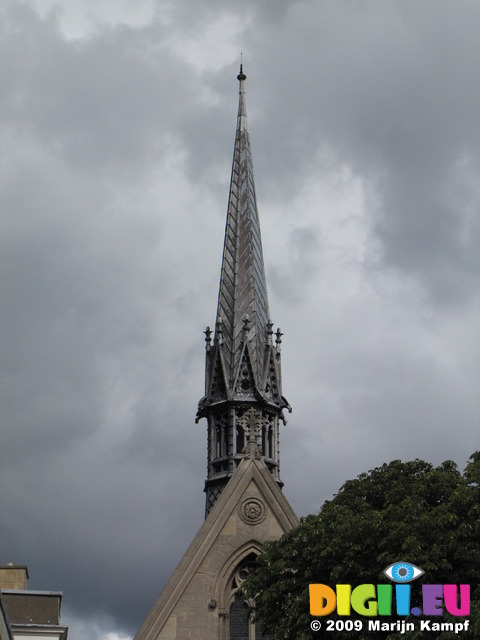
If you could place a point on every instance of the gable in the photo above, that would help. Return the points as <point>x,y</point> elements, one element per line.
<point>251,510</point>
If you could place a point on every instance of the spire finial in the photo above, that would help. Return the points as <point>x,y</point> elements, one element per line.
<point>241,76</point>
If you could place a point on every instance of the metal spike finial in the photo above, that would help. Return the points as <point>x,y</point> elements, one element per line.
<point>241,76</point>
<point>278,337</point>
<point>208,338</point>
<point>246,326</point>
<point>269,331</point>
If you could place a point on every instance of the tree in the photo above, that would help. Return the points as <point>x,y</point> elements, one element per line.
<point>410,511</point>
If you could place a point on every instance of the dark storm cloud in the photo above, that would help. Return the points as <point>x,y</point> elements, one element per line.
<point>80,362</point>
<point>393,90</point>
<point>86,100</point>
<point>364,128</point>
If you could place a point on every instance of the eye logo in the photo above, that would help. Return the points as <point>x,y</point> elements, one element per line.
<point>403,572</point>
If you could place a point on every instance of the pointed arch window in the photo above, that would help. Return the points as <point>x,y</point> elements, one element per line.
<point>240,438</point>
<point>218,441</point>
<point>242,627</point>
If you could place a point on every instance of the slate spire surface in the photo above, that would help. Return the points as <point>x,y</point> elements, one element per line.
<point>243,290</point>
<point>243,398</point>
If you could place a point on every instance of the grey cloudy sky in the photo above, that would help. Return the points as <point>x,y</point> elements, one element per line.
<point>117,125</point>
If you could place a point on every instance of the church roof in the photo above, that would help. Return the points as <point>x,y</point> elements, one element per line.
<point>243,292</point>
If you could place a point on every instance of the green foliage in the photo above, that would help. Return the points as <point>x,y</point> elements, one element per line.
<point>410,511</point>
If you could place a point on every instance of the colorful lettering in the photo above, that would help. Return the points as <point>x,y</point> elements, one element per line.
<point>451,599</point>
<point>322,600</point>
<point>376,600</point>
<point>363,600</point>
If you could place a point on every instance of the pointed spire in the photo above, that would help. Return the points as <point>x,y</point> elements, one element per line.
<point>242,365</point>
<point>243,289</point>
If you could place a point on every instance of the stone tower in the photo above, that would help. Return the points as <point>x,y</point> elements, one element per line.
<point>243,406</point>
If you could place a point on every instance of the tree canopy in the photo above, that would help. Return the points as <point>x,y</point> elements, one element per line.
<point>409,511</point>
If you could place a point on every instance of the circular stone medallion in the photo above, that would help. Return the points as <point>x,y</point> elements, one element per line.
<point>252,510</point>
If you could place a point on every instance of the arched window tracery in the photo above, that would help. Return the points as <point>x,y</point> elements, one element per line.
<point>242,627</point>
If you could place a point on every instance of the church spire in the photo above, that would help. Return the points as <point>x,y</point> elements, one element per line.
<point>243,400</point>
<point>243,291</point>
